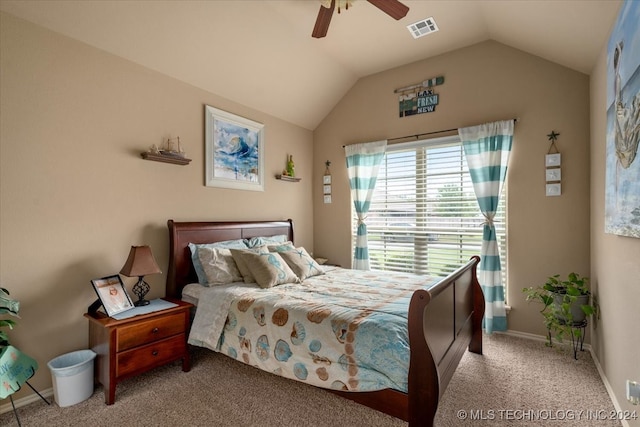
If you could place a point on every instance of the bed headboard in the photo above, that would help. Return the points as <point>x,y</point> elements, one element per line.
<point>181,271</point>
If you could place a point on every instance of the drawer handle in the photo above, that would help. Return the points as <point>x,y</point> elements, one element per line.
<point>155,330</point>
<point>154,352</point>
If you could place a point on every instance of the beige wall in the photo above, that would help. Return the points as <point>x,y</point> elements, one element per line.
<point>483,83</point>
<point>75,194</point>
<point>615,264</point>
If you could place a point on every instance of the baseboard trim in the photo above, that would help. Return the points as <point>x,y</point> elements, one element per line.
<point>542,338</point>
<point>24,401</point>
<point>603,377</point>
<point>614,400</point>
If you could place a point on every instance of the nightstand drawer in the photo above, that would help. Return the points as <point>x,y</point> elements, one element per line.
<point>149,331</point>
<point>149,356</point>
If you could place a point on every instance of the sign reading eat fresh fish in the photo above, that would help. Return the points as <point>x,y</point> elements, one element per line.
<point>419,98</point>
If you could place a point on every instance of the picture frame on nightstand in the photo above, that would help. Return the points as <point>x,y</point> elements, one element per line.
<point>112,294</point>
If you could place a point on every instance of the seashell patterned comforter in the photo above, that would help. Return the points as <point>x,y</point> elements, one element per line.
<point>344,330</point>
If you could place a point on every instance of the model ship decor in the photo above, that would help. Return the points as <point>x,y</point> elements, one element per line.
<point>171,152</point>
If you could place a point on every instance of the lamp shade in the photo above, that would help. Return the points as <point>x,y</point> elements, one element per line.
<point>140,262</point>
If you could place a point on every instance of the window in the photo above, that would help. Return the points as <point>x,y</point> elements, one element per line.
<point>424,217</point>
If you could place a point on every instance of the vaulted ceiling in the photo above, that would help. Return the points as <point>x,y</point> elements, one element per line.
<point>260,53</point>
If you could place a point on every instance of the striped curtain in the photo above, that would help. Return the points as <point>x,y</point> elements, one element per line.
<point>363,162</point>
<point>487,148</point>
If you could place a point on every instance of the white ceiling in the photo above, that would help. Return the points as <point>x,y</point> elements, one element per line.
<point>261,54</point>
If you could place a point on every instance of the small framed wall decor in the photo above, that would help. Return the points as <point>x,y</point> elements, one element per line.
<point>554,189</point>
<point>552,160</point>
<point>112,294</point>
<point>553,174</point>
<point>326,182</point>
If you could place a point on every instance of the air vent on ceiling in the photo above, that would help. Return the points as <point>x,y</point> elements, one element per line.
<point>422,28</point>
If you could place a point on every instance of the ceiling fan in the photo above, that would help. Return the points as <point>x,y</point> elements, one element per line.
<point>393,8</point>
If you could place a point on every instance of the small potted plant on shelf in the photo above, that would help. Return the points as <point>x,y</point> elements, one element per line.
<point>565,305</point>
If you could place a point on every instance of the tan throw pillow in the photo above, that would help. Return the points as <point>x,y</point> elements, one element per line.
<point>254,242</point>
<point>286,246</point>
<point>218,266</point>
<point>269,269</point>
<point>242,264</point>
<point>302,264</point>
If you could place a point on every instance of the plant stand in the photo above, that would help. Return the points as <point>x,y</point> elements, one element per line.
<point>578,339</point>
<point>17,368</point>
<point>15,412</point>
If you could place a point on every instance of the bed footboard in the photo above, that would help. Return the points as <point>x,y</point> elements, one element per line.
<point>443,322</point>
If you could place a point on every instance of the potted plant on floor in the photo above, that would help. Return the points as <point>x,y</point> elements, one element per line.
<point>17,367</point>
<point>7,306</point>
<point>565,305</point>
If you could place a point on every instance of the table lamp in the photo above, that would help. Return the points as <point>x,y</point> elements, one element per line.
<point>140,263</point>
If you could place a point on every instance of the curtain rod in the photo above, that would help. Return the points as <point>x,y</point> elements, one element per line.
<point>417,136</point>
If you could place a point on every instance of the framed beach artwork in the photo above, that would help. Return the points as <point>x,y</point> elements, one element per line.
<point>234,151</point>
<point>622,187</point>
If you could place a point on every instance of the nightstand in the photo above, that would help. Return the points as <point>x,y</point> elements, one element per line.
<point>131,346</point>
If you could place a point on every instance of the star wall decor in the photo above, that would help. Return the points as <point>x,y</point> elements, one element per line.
<point>553,136</point>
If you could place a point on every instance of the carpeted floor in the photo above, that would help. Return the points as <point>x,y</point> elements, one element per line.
<point>517,382</point>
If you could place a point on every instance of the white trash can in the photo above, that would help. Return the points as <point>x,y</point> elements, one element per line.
<point>72,376</point>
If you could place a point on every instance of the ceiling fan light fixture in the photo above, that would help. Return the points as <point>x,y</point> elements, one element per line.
<point>394,8</point>
<point>340,4</point>
<point>423,27</point>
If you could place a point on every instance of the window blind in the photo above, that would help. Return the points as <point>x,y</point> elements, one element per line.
<point>424,217</point>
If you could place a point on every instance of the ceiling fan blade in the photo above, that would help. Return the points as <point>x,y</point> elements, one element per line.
<point>393,8</point>
<point>323,20</point>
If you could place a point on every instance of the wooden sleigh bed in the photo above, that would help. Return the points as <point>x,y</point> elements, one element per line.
<point>442,322</point>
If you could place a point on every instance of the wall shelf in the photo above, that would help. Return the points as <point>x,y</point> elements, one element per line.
<point>176,160</point>
<point>288,178</point>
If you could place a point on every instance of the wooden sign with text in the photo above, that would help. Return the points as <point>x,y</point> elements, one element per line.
<point>419,98</point>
